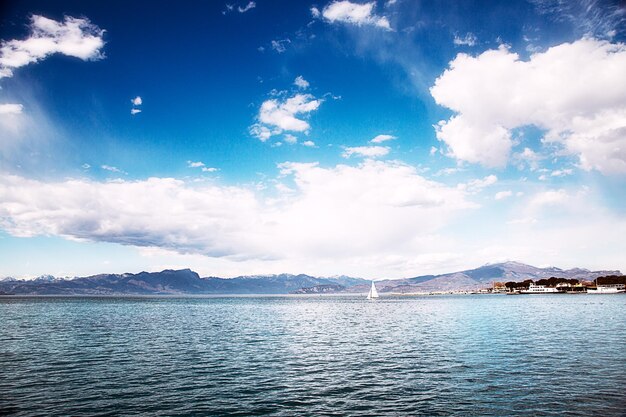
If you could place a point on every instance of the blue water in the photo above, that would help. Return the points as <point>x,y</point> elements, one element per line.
<point>439,355</point>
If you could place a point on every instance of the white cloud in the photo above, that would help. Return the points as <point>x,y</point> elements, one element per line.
<point>528,157</point>
<point>447,171</point>
<point>383,209</point>
<point>280,45</point>
<point>501,195</point>
<point>308,143</point>
<point>10,108</point>
<point>300,82</point>
<point>540,200</point>
<point>558,90</point>
<point>112,169</point>
<point>365,151</point>
<point>73,37</point>
<point>382,138</point>
<point>137,101</point>
<point>386,210</point>
<point>290,139</point>
<point>477,185</point>
<point>261,132</point>
<point>489,145</point>
<point>354,13</point>
<point>562,172</point>
<point>201,165</point>
<point>279,115</point>
<point>251,5</point>
<point>433,150</point>
<point>134,111</point>
<point>85,166</point>
<point>315,12</point>
<point>590,17</point>
<point>468,40</point>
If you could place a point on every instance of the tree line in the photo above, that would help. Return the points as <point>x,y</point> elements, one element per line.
<point>611,279</point>
<point>553,281</point>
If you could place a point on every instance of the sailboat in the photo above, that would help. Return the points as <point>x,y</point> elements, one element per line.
<point>373,293</point>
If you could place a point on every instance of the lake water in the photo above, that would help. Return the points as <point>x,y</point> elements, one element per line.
<point>433,355</point>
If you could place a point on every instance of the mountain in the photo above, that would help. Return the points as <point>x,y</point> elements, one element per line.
<point>170,282</point>
<point>273,284</point>
<point>480,277</point>
<point>516,271</point>
<point>186,281</point>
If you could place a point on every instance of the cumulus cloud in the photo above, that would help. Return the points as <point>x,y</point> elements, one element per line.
<point>366,151</point>
<point>10,108</point>
<point>382,138</point>
<point>559,91</point>
<point>355,14</point>
<point>201,165</point>
<point>290,139</point>
<point>300,82</point>
<point>279,115</point>
<point>72,37</point>
<point>379,207</point>
<point>135,111</point>
<point>308,143</point>
<point>192,164</point>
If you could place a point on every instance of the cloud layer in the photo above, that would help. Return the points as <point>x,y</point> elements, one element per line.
<point>340,212</point>
<point>574,92</point>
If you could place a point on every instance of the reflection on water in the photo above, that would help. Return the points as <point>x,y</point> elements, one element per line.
<point>445,355</point>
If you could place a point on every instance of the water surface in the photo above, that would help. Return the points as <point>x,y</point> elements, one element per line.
<point>309,355</point>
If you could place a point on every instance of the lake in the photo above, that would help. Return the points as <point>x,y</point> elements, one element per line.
<point>309,355</point>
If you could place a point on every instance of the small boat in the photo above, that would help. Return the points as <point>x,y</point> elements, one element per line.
<point>373,293</point>
<point>607,289</point>
<point>540,289</point>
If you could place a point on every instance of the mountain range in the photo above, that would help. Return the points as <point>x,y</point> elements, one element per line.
<point>186,281</point>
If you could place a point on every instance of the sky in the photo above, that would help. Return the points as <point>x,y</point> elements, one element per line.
<point>379,139</point>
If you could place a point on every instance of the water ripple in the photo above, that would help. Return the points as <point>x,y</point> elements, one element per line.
<point>285,356</point>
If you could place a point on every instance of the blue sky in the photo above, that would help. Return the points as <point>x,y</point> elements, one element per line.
<point>380,139</point>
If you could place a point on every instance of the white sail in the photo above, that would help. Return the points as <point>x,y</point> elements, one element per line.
<point>373,293</point>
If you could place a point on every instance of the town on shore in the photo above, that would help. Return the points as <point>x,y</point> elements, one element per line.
<point>611,284</point>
